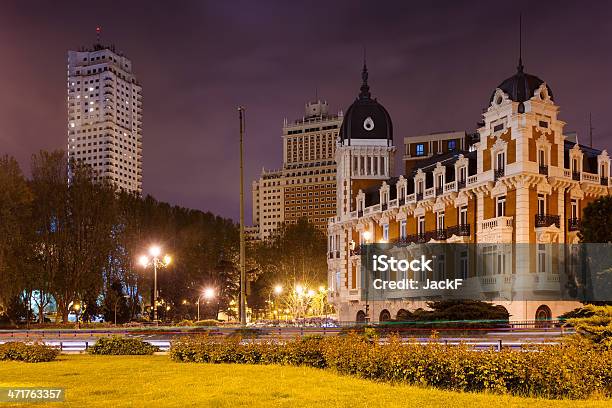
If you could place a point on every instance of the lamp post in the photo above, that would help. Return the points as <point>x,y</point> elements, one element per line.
<point>278,289</point>
<point>299,290</point>
<point>77,309</point>
<point>367,235</point>
<point>156,262</point>
<point>242,307</point>
<point>209,294</point>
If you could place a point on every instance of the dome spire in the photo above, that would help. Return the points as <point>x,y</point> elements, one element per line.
<point>519,68</point>
<point>365,88</point>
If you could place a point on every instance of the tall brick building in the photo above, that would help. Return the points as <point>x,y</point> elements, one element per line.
<point>305,186</point>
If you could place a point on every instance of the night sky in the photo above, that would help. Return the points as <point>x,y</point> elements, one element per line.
<point>433,67</point>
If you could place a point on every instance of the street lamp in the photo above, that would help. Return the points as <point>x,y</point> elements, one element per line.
<point>367,236</point>
<point>77,309</point>
<point>208,294</point>
<point>156,262</point>
<point>278,289</point>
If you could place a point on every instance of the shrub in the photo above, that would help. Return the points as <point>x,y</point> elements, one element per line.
<point>574,369</point>
<point>30,353</point>
<point>185,322</point>
<point>117,345</point>
<point>207,322</point>
<point>594,323</point>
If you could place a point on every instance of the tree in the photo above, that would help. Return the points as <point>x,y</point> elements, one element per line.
<point>65,238</point>
<point>49,186</point>
<point>88,225</point>
<point>15,210</point>
<point>295,255</point>
<point>597,217</point>
<point>456,310</point>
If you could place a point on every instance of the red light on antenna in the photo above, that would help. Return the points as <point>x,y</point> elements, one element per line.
<point>98,29</point>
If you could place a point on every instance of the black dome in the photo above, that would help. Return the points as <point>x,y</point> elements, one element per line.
<point>521,86</point>
<point>366,118</point>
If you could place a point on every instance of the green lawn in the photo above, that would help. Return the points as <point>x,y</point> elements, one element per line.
<point>155,381</point>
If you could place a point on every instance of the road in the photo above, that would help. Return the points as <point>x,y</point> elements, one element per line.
<point>79,340</point>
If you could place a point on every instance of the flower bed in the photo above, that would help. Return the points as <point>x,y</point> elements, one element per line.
<point>576,369</point>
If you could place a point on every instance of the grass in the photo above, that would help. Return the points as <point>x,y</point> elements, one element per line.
<point>155,381</point>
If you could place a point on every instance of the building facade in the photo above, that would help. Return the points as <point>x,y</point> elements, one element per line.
<point>305,186</point>
<point>517,180</point>
<point>105,116</point>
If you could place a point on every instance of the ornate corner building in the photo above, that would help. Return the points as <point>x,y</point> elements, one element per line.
<point>518,179</point>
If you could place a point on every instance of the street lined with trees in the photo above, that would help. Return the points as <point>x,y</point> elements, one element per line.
<point>70,245</point>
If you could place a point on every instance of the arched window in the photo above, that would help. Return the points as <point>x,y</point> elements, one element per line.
<point>385,316</point>
<point>361,317</point>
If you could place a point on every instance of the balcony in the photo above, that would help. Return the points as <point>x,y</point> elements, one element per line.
<point>499,173</point>
<point>603,181</point>
<point>402,201</point>
<point>461,230</point>
<point>418,238</point>
<point>489,283</point>
<point>461,184</point>
<point>546,220</point>
<point>451,186</point>
<point>576,175</point>
<point>439,191</point>
<point>437,234</point>
<point>419,196</point>
<point>544,170</point>
<point>573,224</point>
<point>384,206</point>
<point>495,223</point>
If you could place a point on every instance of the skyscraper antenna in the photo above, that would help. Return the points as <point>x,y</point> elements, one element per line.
<point>98,32</point>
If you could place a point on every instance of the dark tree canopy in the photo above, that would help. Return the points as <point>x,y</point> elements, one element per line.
<point>596,221</point>
<point>65,240</point>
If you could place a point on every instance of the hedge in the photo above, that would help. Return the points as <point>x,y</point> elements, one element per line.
<point>28,352</point>
<point>117,345</point>
<point>575,369</point>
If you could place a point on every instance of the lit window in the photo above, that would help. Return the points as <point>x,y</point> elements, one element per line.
<point>402,231</point>
<point>500,208</point>
<point>420,149</point>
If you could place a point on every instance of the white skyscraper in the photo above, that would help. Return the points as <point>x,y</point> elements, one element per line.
<point>105,116</point>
